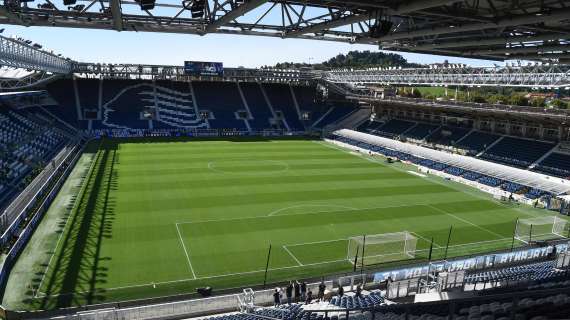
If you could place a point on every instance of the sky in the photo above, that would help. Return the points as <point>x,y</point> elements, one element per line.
<point>105,46</point>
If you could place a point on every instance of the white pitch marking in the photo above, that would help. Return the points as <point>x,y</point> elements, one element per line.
<point>467,191</point>
<point>425,239</point>
<point>316,242</point>
<point>284,168</point>
<point>293,256</point>
<point>295,214</point>
<point>312,205</point>
<point>202,278</point>
<point>463,220</point>
<point>185,251</point>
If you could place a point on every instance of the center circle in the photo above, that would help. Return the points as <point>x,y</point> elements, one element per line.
<point>248,167</point>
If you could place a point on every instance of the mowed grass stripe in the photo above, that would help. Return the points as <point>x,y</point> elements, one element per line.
<point>276,192</point>
<point>174,200</point>
<point>202,167</point>
<point>242,225</point>
<point>184,180</point>
<point>180,190</point>
<point>228,155</point>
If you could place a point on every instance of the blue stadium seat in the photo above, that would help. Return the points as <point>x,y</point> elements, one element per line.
<point>477,141</point>
<point>421,130</point>
<point>517,152</point>
<point>557,164</point>
<point>393,128</point>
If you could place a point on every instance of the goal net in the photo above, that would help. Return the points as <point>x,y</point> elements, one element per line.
<point>541,228</point>
<point>378,248</point>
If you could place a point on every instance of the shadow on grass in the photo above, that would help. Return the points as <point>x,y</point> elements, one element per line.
<point>77,269</point>
<point>236,139</point>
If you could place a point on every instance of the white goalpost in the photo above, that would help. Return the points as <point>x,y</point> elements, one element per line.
<point>384,247</point>
<point>540,228</point>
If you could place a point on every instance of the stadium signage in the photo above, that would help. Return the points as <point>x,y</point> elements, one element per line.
<point>200,68</point>
<point>486,261</point>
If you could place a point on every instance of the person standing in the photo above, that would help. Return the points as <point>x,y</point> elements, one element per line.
<point>322,287</point>
<point>309,297</point>
<point>289,292</point>
<point>340,291</point>
<point>303,290</point>
<point>297,291</point>
<point>276,298</point>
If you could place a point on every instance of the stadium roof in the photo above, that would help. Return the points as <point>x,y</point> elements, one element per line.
<point>490,29</point>
<point>528,178</point>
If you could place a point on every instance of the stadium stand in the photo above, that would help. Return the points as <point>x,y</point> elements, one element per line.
<point>370,126</point>
<point>260,111</point>
<point>517,152</point>
<point>470,175</point>
<point>29,140</point>
<point>167,105</point>
<point>477,141</point>
<point>282,101</point>
<point>530,193</point>
<point>531,272</point>
<point>334,114</point>
<point>512,187</point>
<point>448,135</point>
<point>393,128</point>
<point>421,131</point>
<point>556,164</point>
<point>223,100</point>
<point>534,290</point>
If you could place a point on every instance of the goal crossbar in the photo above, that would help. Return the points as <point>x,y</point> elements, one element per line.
<point>377,248</point>
<point>540,228</point>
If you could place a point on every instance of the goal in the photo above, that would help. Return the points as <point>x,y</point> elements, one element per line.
<point>384,247</point>
<point>541,228</point>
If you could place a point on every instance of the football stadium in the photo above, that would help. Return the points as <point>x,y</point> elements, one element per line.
<point>372,185</point>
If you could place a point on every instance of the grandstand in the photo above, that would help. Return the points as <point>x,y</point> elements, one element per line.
<point>186,136</point>
<point>139,191</point>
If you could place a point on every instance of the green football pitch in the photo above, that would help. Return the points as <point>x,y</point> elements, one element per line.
<point>165,216</point>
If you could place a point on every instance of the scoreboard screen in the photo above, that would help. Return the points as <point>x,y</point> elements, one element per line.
<point>198,68</point>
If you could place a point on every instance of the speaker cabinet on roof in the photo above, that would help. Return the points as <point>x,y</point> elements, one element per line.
<point>380,29</point>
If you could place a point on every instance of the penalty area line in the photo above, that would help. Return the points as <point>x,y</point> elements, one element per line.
<point>292,256</point>
<point>185,251</point>
<point>465,221</point>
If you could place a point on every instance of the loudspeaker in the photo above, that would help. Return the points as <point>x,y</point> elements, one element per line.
<point>205,291</point>
<point>147,4</point>
<point>380,30</point>
<point>69,2</point>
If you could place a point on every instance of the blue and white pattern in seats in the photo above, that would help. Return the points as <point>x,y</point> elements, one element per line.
<point>172,108</point>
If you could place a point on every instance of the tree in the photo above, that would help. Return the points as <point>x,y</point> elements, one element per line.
<point>363,59</point>
<point>538,102</point>
<point>518,100</point>
<point>557,103</point>
<point>478,99</point>
<point>497,99</point>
